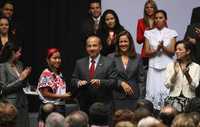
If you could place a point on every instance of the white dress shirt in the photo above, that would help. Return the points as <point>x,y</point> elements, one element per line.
<point>96,61</point>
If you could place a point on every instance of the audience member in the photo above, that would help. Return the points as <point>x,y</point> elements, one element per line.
<point>196,118</point>
<point>182,77</point>
<point>77,119</point>
<point>148,122</point>
<point>99,115</point>
<point>14,77</point>
<point>109,29</point>
<point>123,115</point>
<point>159,46</point>
<point>145,104</point>
<point>128,66</point>
<point>167,114</point>
<point>146,23</point>
<point>141,113</point>
<point>183,120</point>
<point>94,76</point>
<point>54,119</point>
<point>52,88</point>
<point>8,113</point>
<point>125,124</point>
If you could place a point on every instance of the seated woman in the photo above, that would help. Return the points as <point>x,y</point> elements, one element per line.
<point>13,81</point>
<point>51,86</point>
<point>130,72</point>
<point>182,77</point>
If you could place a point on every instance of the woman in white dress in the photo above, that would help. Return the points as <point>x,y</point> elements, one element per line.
<point>159,45</point>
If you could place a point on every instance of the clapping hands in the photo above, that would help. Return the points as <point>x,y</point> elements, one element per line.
<point>25,73</point>
<point>160,46</point>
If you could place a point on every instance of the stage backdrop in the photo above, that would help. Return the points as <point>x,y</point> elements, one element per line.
<point>129,11</point>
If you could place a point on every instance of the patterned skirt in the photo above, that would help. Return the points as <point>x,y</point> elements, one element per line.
<point>179,103</point>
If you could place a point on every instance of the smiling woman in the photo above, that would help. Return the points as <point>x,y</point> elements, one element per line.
<point>182,77</point>
<point>130,72</point>
<point>5,37</point>
<point>52,88</point>
<point>109,28</point>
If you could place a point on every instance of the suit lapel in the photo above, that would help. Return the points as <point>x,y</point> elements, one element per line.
<point>99,66</point>
<point>121,64</point>
<point>86,65</point>
<point>11,71</point>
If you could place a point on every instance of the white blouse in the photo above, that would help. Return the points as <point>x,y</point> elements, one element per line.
<point>154,36</point>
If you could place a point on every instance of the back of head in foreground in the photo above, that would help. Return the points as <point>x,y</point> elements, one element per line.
<point>54,119</point>
<point>77,119</point>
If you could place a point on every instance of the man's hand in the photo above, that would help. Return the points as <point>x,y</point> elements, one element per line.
<point>95,83</point>
<point>81,83</point>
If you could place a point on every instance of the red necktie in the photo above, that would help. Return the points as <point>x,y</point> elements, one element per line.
<point>92,69</point>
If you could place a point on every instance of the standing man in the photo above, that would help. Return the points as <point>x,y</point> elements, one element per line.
<point>91,24</point>
<point>94,76</point>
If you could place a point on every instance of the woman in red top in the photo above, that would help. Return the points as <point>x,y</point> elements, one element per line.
<point>146,23</point>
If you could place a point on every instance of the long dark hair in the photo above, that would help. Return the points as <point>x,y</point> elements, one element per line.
<point>131,50</point>
<point>103,28</point>
<point>6,52</point>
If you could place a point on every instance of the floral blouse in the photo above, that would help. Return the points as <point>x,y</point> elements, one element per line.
<point>55,82</point>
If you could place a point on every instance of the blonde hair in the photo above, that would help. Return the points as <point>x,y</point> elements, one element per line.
<point>125,124</point>
<point>155,8</point>
<point>183,120</point>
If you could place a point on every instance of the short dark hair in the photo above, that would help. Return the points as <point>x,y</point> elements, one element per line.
<point>163,12</point>
<point>98,114</point>
<point>144,103</point>
<point>7,2</point>
<point>93,35</point>
<point>167,114</point>
<point>94,1</point>
<point>186,43</point>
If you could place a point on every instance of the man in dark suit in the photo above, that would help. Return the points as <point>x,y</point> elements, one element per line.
<point>195,18</point>
<point>94,76</point>
<point>91,24</point>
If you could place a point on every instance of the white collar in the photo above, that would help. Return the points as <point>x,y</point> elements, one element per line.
<point>95,59</point>
<point>96,19</point>
<point>163,29</point>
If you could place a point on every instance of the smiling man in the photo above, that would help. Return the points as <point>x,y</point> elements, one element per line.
<point>94,77</point>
